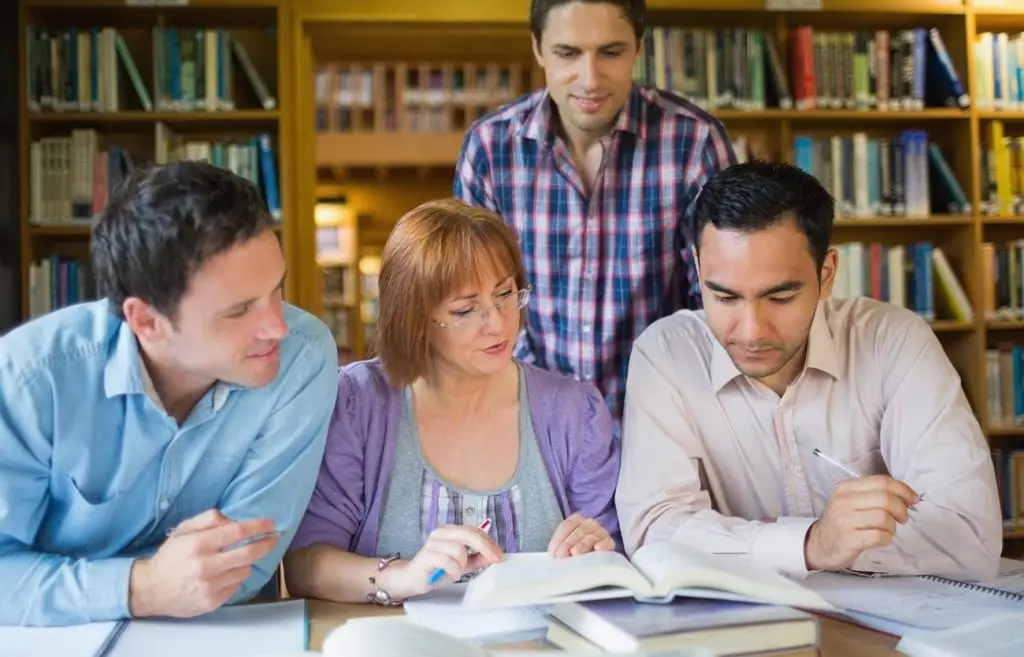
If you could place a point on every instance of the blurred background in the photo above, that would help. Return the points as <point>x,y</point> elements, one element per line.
<point>347,113</point>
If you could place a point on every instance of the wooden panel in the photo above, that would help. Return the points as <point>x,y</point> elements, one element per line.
<point>511,11</point>
<point>383,149</point>
<point>307,276</point>
<point>997,7</point>
<point>363,41</point>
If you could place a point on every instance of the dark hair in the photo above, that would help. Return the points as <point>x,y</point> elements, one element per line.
<point>163,223</point>
<point>634,11</point>
<point>756,195</point>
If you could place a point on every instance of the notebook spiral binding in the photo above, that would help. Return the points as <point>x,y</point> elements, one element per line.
<point>971,586</point>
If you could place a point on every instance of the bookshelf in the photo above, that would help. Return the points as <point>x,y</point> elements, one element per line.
<point>385,130</point>
<point>9,226</point>
<point>106,87</point>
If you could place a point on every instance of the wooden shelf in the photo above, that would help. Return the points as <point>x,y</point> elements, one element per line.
<point>931,114</point>
<point>861,6</point>
<point>902,222</point>
<point>247,117</point>
<point>78,230</point>
<point>86,5</point>
<point>1001,115</point>
<point>1004,325</point>
<point>375,149</point>
<point>998,7</point>
<point>1003,219</point>
<point>952,326</point>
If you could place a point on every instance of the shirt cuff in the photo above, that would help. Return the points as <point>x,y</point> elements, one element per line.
<point>107,589</point>
<point>780,544</point>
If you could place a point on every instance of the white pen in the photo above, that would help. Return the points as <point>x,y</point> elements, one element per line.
<point>850,471</point>
<point>828,459</point>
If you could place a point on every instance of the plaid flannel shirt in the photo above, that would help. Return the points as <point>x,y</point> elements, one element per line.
<point>603,265</point>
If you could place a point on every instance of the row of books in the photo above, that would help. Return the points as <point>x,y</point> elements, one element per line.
<point>1002,275</point>
<point>1009,462</point>
<point>903,176</point>
<point>1002,172</point>
<point>77,70</point>
<point>428,96</point>
<point>57,281</point>
<point>999,62</point>
<point>71,177</point>
<point>903,275</point>
<point>735,68</point>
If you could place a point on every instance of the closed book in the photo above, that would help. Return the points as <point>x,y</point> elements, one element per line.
<point>723,627</point>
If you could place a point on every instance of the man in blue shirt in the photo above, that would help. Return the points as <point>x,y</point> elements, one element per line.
<point>143,436</point>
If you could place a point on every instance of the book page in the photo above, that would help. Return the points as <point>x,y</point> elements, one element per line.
<point>678,570</point>
<point>1010,577</point>
<point>536,578</point>
<point>245,629</point>
<point>71,641</point>
<point>383,636</point>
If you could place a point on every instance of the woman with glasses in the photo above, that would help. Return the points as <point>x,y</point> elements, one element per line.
<point>444,452</point>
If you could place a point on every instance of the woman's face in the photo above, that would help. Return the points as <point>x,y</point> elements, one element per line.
<point>476,327</point>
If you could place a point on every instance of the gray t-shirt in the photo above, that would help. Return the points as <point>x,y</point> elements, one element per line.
<point>524,512</point>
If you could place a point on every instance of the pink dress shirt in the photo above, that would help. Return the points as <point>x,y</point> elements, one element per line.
<point>716,461</point>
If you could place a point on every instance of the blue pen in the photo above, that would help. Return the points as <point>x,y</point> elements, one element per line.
<point>438,573</point>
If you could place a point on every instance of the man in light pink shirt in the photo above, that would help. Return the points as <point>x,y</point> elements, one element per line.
<point>726,406</point>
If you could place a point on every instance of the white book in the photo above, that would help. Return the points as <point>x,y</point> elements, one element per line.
<point>658,572</point>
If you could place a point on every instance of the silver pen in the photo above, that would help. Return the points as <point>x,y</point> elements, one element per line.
<point>850,471</point>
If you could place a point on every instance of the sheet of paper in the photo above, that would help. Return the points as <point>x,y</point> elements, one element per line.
<point>997,636</point>
<point>441,610</point>
<point>910,602</point>
<point>253,630</point>
<point>71,641</point>
<point>1011,576</point>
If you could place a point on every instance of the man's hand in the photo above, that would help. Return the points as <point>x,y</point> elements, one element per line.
<point>863,513</point>
<point>192,573</point>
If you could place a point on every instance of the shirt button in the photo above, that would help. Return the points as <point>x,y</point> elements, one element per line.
<point>470,511</point>
<point>586,328</point>
<point>164,505</point>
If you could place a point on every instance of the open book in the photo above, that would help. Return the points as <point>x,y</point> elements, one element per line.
<point>394,636</point>
<point>658,573</point>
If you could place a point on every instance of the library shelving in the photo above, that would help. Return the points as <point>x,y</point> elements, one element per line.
<point>105,87</point>
<point>891,103</point>
<point>10,292</point>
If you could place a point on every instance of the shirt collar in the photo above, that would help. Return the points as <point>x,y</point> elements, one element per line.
<point>122,374</point>
<point>125,373</point>
<point>540,126</point>
<point>821,354</point>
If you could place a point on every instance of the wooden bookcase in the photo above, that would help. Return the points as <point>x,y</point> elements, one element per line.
<point>378,164</point>
<point>10,291</point>
<point>84,121</point>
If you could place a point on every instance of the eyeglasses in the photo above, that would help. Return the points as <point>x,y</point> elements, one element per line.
<point>477,318</point>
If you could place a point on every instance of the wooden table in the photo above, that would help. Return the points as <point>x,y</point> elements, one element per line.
<point>838,639</point>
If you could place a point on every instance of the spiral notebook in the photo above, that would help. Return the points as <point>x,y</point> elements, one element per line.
<point>901,604</point>
<point>1008,584</point>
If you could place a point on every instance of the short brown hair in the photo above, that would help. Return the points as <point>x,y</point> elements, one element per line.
<point>433,250</point>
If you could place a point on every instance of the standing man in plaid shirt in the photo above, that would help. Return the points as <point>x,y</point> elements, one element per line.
<point>597,176</point>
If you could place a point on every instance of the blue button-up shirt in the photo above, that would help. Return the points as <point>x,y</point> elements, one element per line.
<point>93,472</point>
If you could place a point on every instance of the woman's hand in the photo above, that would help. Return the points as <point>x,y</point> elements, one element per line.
<point>578,535</point>
<point>447,548</point>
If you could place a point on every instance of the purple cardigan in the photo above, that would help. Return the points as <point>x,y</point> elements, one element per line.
<point>570,419</point>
